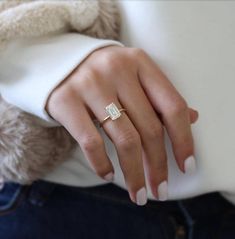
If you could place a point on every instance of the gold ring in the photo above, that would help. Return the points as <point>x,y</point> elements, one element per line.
<point>113,113</point>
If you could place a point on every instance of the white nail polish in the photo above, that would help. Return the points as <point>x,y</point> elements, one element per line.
<point>190,165</point>
<point>162,191</point>
<point>141,197</point>
<point>109,177</point>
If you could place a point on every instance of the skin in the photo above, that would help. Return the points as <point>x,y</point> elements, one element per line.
<point>129,78</point>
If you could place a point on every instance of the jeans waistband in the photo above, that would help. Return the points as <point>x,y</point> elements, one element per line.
<point>198,206</point>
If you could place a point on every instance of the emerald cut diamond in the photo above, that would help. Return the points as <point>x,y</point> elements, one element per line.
<point>113,111</point>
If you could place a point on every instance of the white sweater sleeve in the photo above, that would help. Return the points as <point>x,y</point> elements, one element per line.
<point>31,68</point>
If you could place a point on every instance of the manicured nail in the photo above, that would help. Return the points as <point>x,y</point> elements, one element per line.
<point>141,197</point>
<point>190,165</point>
<point>162,191</point>
<point>109,177</point>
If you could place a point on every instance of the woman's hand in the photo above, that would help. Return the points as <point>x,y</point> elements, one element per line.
<point>130,79</point>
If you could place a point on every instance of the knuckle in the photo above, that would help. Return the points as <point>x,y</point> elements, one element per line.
<point>112,61</point>
<point>88,79</point>
<point>89,73</point>
<point>59,96</point>
<point>178,107</point>
<point>137,52</point>
<point>128,140</point>
<point>58,100</point>
<point>154,131</point>
<point>91,143</point>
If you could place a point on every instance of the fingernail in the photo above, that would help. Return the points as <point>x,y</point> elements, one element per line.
<point>141,197</point>
<point>162,191</point>
<point>109,177</point>
<point>190,165</point>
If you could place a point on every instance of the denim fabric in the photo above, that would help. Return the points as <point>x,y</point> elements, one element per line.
<point>52,211</point>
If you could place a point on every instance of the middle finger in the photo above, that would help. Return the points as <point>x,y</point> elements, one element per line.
<point>151,131</point>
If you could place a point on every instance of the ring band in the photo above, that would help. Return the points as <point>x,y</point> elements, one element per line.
<point>113,113</point>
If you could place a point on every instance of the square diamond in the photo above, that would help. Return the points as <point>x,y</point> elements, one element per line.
<point>113,111</point>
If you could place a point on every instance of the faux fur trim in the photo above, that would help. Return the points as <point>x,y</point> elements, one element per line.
<point>35,18</point>
<point>27,150</point>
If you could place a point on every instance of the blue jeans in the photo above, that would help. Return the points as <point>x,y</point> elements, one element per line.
<point>52,211</point>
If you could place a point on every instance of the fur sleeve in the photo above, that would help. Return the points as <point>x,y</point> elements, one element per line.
<point>32,18</point>
<point>28,150</point>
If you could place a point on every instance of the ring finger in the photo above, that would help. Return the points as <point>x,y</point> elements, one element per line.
<point>127,143</point>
